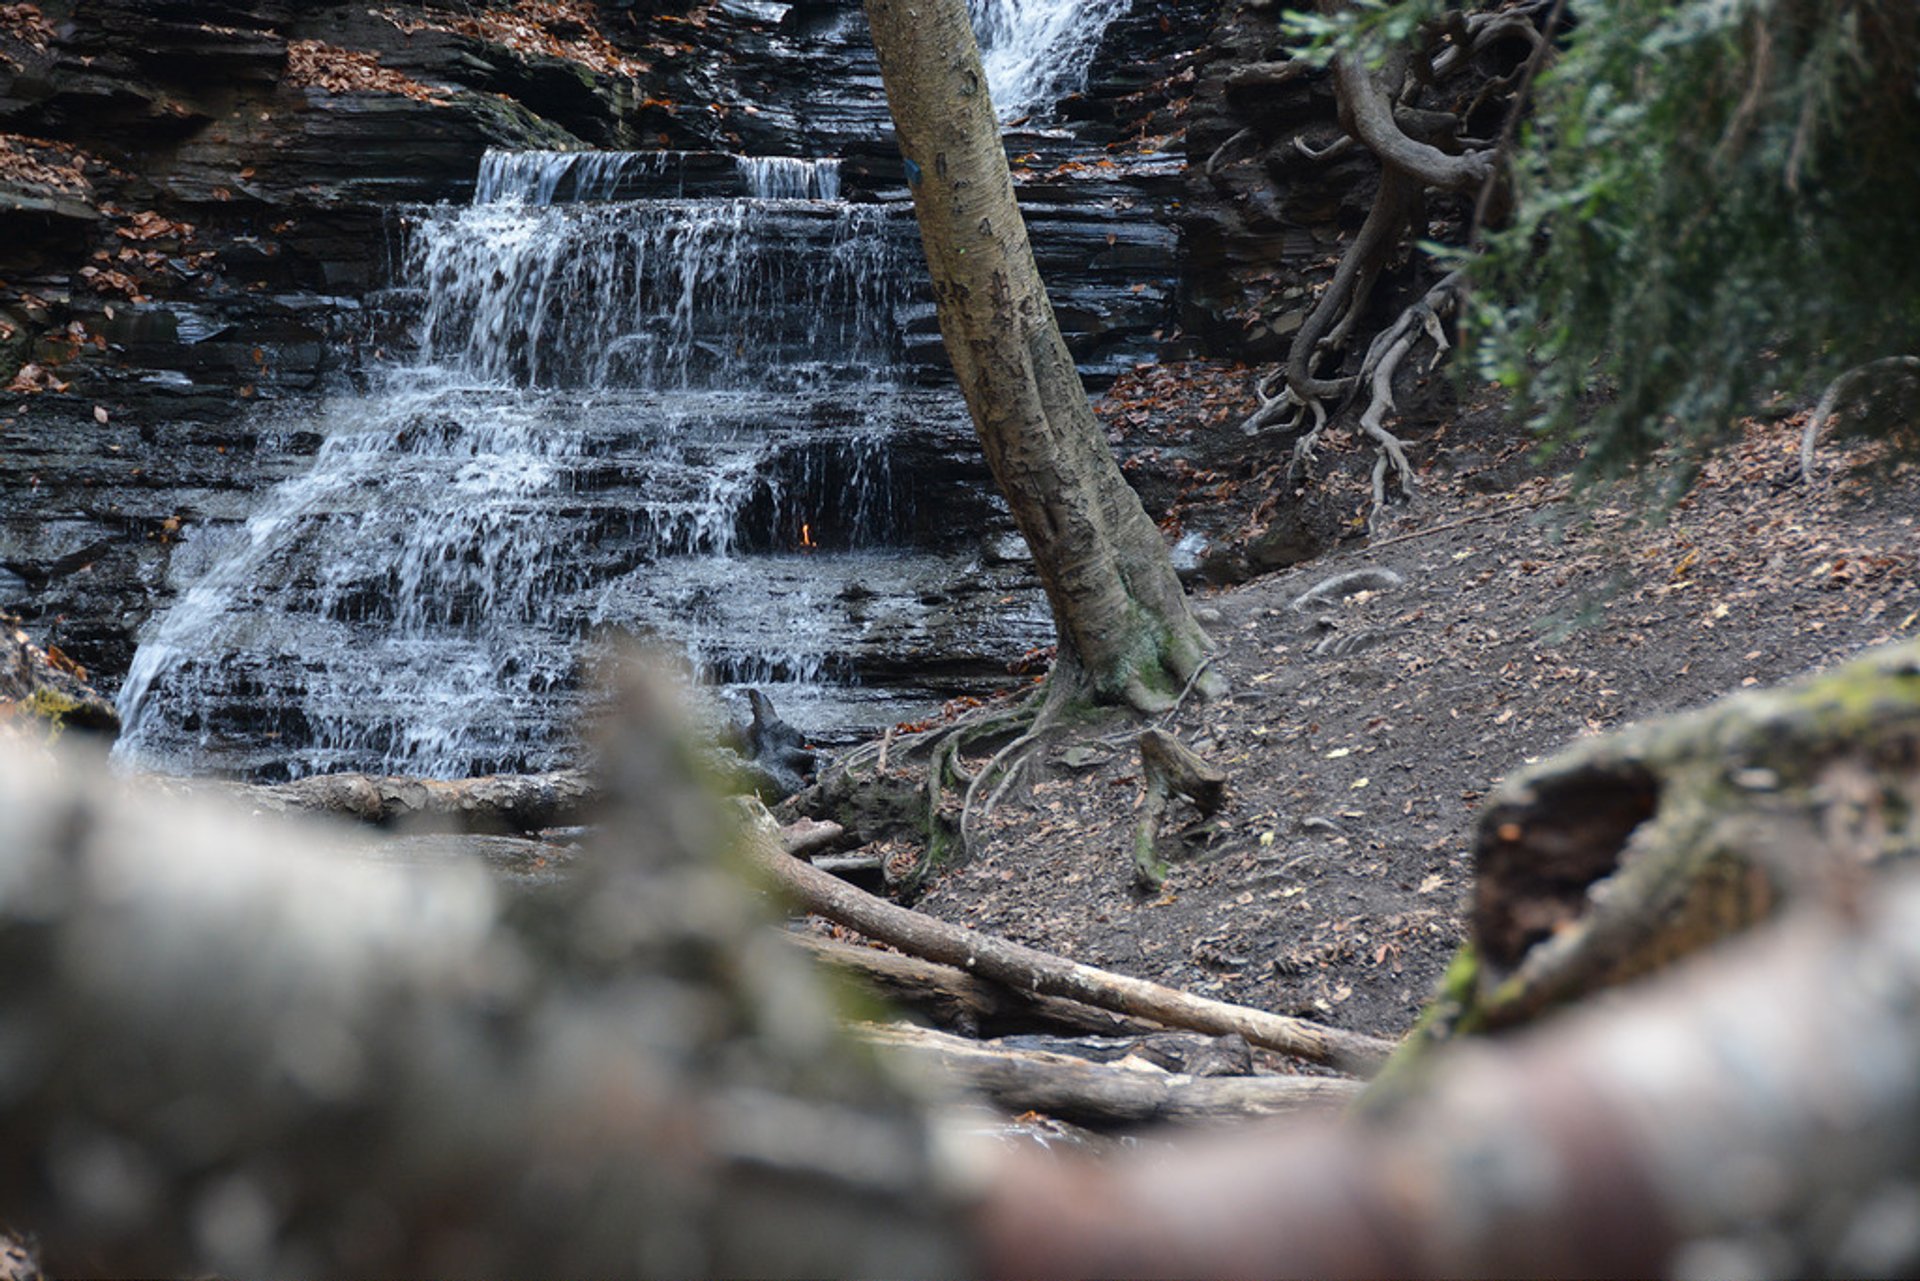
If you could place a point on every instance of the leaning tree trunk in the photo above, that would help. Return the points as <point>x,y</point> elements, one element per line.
<point>1124,628</point>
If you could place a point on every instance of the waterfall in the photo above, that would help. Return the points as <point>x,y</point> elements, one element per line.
<point>1037,51</point>
<point>789,178</point>
<point>623,410</point>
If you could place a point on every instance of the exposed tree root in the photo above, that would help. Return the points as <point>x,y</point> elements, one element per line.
<point>1421,150</point>
<point>1848,384</point>
<point>1383,362</point>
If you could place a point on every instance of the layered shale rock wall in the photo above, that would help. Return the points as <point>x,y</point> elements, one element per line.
<point>197,196</point>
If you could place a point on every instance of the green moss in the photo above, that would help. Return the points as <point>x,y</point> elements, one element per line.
<point>1447,1015</point>
<point>55,708</point>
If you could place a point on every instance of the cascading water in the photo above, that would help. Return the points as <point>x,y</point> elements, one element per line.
<point>651,392</point>
<point>1037,51</point>
<point>659,415</point>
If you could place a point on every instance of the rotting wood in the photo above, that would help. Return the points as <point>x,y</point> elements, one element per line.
<point>1627,852</point>
<point>1105,1094</point>
<point>806,837</point>
<point>966,1003</point>
<point>1031,970</point>
<point>1170,767</point>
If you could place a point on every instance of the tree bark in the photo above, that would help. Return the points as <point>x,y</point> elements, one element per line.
<point>1103,1095</point>
<point>1029,970</point>
<point>1125,631</point>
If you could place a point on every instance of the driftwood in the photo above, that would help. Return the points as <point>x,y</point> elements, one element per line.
<point>1030,970</point>
<point>495,803</point>
<point>777,748</point>
<point>963,1002</point>
<point>1104,1095</point>
<point>1171,768</point>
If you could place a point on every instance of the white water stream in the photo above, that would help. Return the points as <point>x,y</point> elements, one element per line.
<point>1037,51</point>
<point>626,409</point>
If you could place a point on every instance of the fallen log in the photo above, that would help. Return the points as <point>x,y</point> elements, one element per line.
<point>963,1002</point>
<point>1189,1053</point>
<point>1030,970</point>
<point>494,803</point>
<point>1103,1095</point>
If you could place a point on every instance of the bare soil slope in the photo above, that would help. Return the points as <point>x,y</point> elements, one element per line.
<point>1333,884</point>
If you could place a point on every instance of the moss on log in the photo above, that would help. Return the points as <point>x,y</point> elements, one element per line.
<point>1629,851</point>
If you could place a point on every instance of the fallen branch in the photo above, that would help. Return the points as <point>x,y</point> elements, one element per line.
<point>1100,1094</point>
<point>1508,509</point>
<point>1030,970</point>
<point>966,1003</point>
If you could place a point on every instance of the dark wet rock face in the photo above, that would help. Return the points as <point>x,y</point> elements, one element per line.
<point>44,693</point>
<point>211,278</point>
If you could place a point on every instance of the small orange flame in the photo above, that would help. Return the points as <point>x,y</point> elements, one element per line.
<point>806,537</point>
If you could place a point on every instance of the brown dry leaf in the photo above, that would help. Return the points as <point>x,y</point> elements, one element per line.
<point>24,24</point>
<point>33,378</point>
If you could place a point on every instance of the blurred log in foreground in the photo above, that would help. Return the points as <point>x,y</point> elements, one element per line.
<point>221,1050</point>
<point>1756,1113</point>
<point>1627,852</point>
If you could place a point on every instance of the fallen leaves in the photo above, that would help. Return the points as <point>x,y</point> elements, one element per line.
<point>314,64</point>
<point>551,28</point>
<point>33,378</point>
<point>37,162</point>
<point>148,225</point>
<point>24,24</point>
